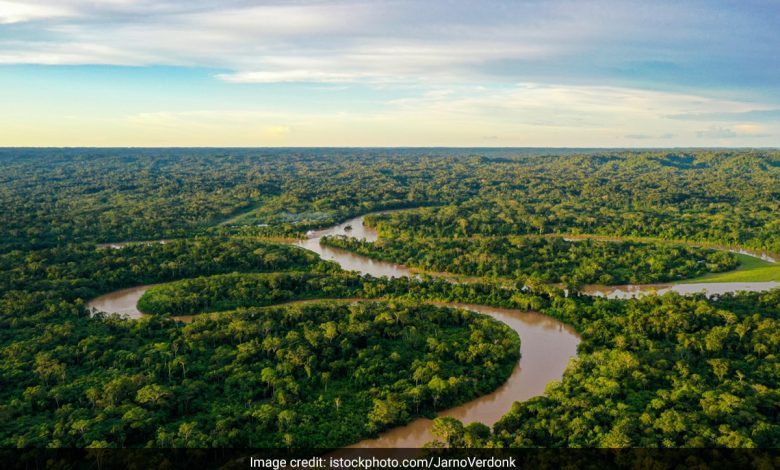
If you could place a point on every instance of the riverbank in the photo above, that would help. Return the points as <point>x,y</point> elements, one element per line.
<point>758,270</point>
<point>751,269</point>
<point>547,345</point>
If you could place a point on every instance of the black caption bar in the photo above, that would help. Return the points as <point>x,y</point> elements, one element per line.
<point>278,459</point>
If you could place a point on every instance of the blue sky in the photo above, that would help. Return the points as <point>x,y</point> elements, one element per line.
<point>390,73</point>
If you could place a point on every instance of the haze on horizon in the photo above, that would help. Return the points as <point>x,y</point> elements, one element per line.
<point>390,73</point>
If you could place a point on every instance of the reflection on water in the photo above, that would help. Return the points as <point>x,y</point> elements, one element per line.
<point>120,245</point>
<point>763,255</point>
<point>711,288</point>
<point>352,228</point>
<point>348,260</point>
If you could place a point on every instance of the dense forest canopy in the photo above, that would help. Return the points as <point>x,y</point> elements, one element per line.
<point>79,271</point>
<point>661,371</point>
<point>75,378</point>
<point>310,375</point>
<point>60,196</point>
<point>533,260</point>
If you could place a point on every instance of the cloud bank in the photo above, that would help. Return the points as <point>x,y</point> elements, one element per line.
<point>690,72</point>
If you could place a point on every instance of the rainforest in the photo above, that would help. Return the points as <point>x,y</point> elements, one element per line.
<point>323,298</point>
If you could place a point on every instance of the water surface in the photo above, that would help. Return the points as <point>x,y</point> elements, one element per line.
<point>708,288</point>
<point>348,260</point>
<point>547,345</point>
<point>122,302</point>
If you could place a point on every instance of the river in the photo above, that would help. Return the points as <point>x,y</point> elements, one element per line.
<point>348,260</point>
<point>123,302</point>
<point>547,345</point>
<point>710,289</point>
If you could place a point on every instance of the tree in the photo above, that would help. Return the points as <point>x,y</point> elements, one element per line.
<point>386,412</point>
<point>438,387</point>
<point>152,394</point>
<point>449,430</point>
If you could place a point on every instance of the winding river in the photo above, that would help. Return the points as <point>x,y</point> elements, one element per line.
<point>547,345</point>
<point>710,289</point>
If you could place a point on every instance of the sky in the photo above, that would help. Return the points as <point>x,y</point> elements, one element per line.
<point>538,73</point>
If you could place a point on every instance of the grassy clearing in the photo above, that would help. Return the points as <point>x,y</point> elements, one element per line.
<point>751,269</point>
<point>243,216</point>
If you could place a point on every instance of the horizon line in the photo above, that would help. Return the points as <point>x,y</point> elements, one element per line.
<point>399,147</point>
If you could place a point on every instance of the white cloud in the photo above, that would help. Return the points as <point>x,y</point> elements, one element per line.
<point>52,53</point>
<point>749,129</point>
<point>18,12</point>
<point>282,76</point>
<point>574,105</point>
<point>527,114</point>
<point>735,131</point>
<point>277,132</point>
<point>523,72</point>
<point>343,40</point>
<point>279,20</point>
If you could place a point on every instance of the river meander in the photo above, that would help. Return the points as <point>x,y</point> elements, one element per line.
<point>547,345</point>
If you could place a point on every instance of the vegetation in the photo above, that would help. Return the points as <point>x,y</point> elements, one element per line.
<point>311,375</point>
<point>664,371</point>
<point>80,271</point>
<point>660,371</point>
<point>534,259</point>
<point>751,269</point>
<point>78,379</point>
<point>684,196</point>
<point>230,291</point>
<point>54,196</point>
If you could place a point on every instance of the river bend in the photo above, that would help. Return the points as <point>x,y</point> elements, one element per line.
<point>547,345</point>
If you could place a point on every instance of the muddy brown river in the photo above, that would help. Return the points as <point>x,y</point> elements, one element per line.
<point>123,302</point>
<point>547,345</point>
<point>712,288</point>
